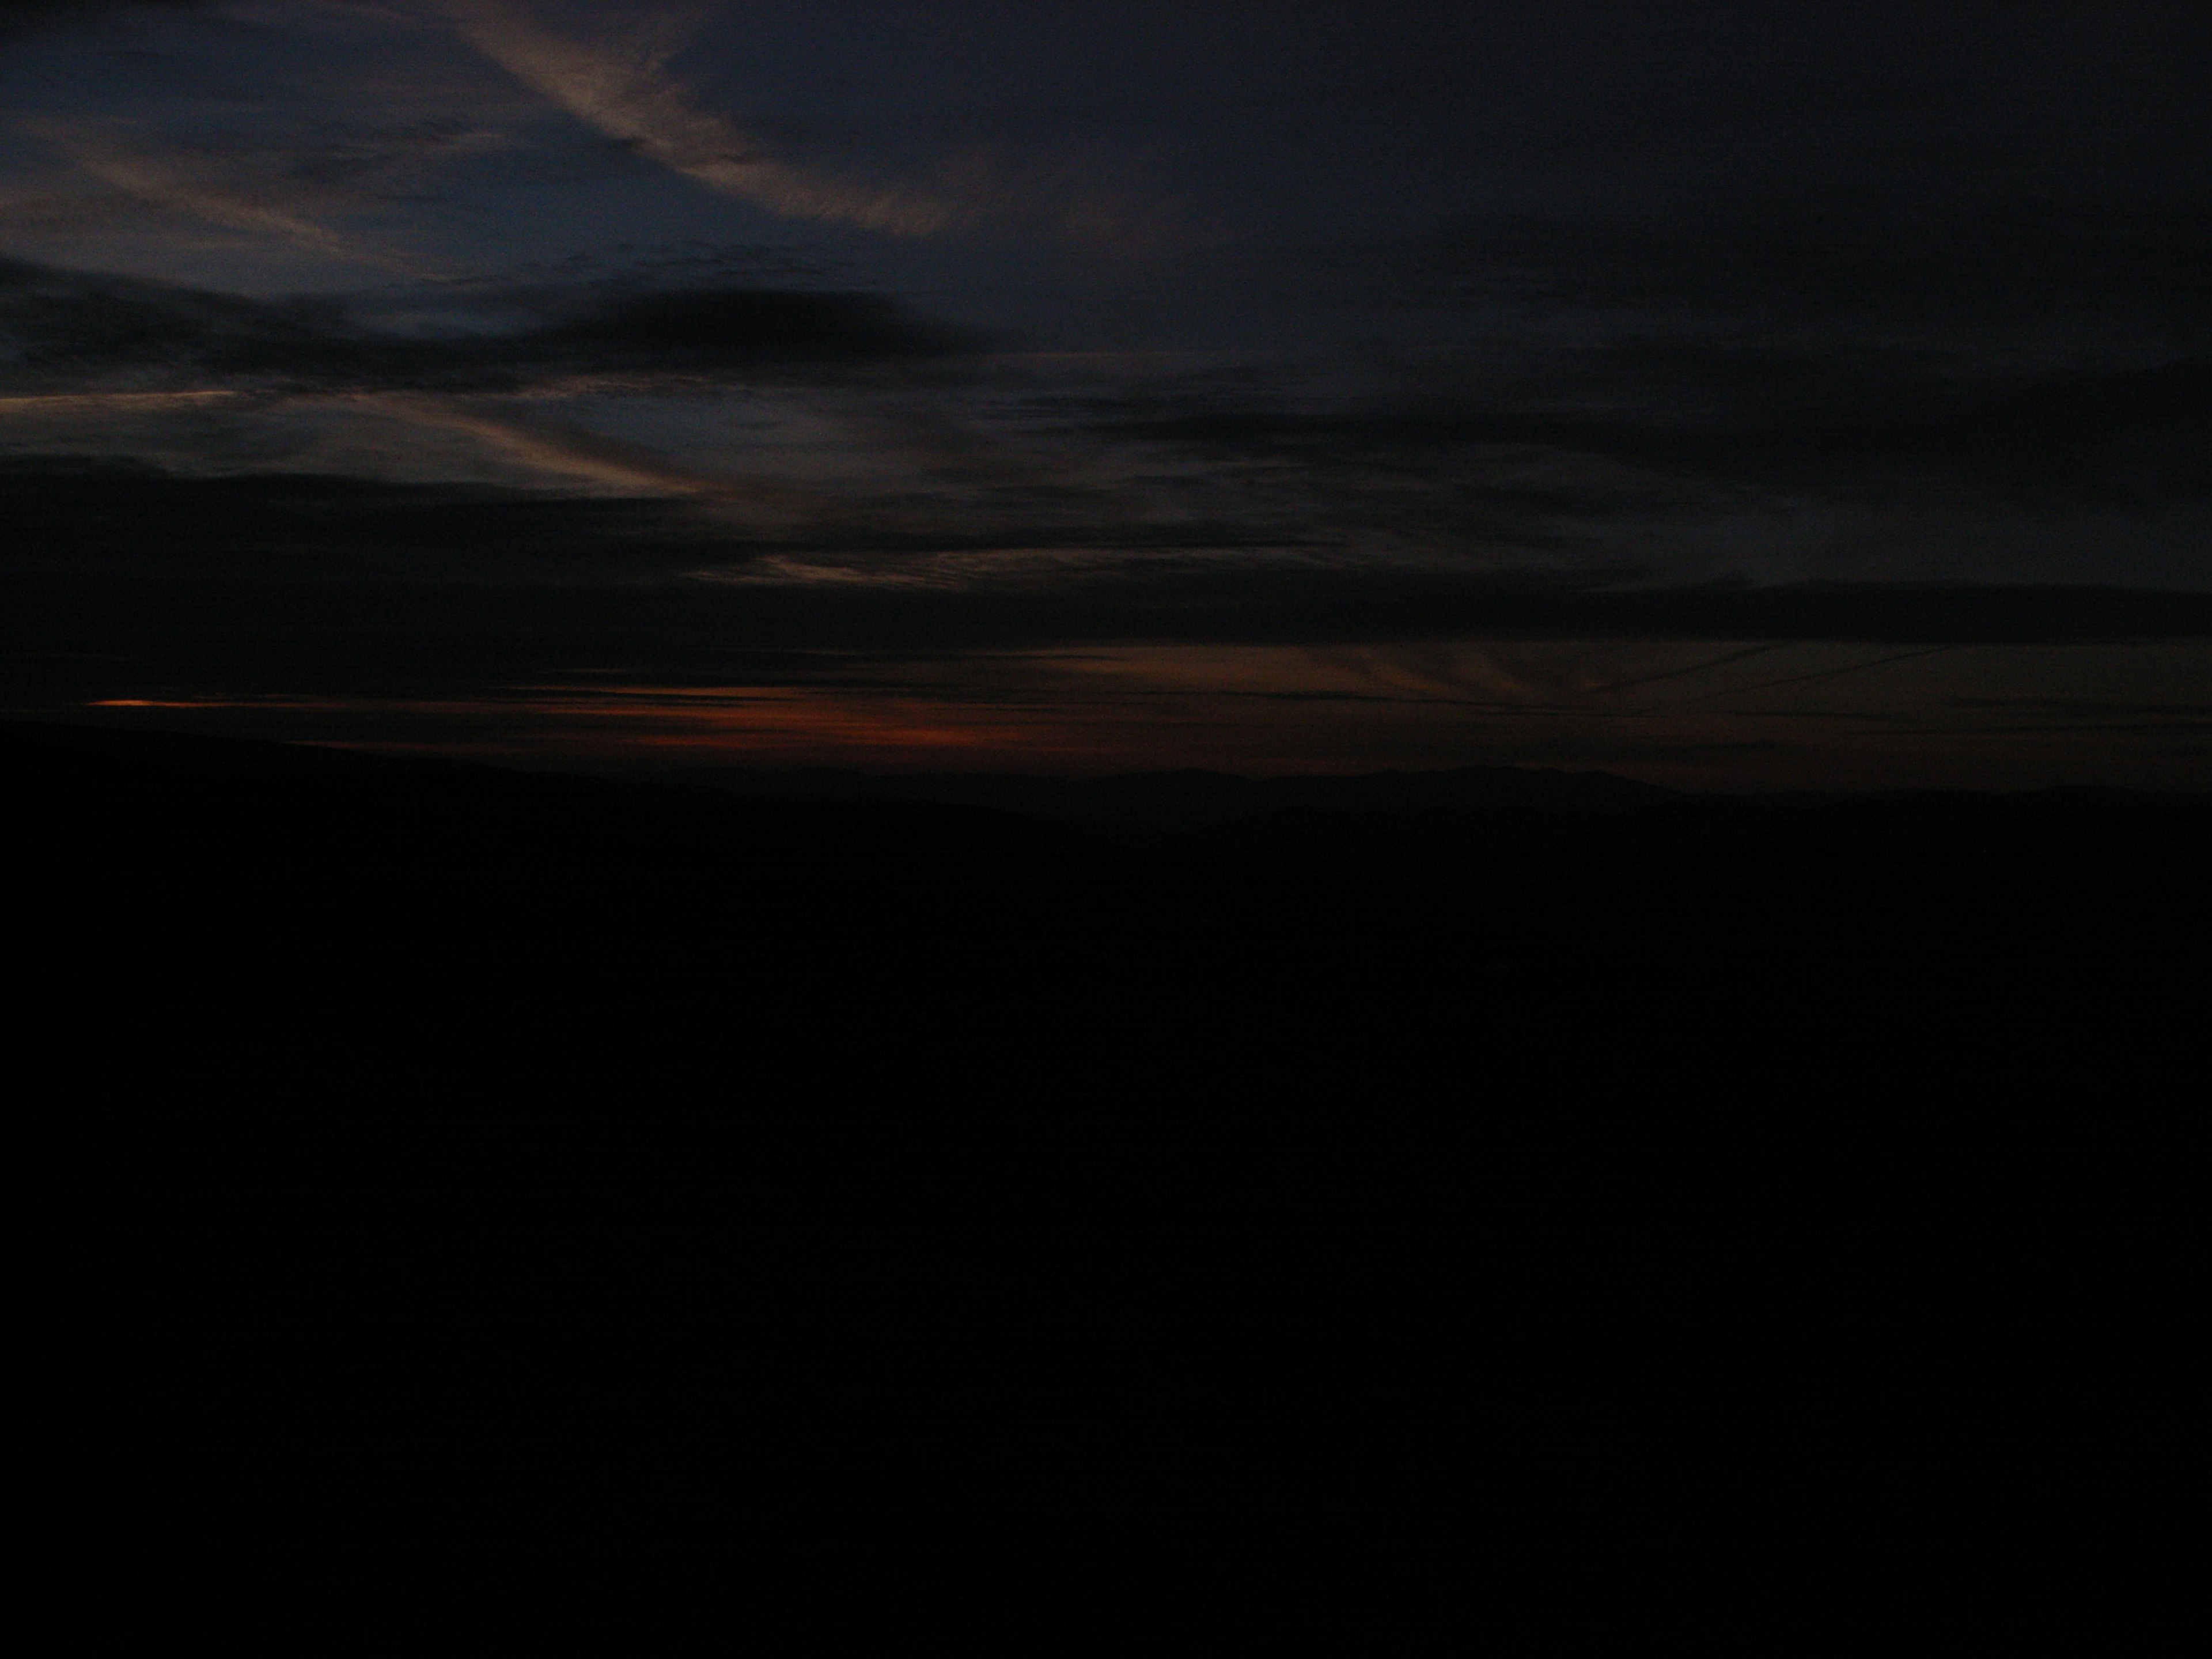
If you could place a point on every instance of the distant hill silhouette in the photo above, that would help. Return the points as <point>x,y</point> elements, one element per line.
<point>415,1114</point>
<point>1126,885</point>
<point>1197,799</point>
<point>1278,890</point>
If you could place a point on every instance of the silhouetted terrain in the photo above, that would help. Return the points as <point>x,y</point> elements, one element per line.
<point>1189,800</point>
<point>412,1113</point>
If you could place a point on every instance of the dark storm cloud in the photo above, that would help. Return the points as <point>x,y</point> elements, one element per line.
<point>63,330</point>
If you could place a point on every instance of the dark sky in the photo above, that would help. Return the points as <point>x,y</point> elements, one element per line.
<point>1731,395</point>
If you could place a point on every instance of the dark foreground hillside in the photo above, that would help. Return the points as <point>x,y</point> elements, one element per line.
<point>338,922</point>
<point>398,1115</point>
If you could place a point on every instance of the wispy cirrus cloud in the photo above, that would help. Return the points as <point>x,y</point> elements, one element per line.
<point>565,451</point>
<point>149,179</point>
<point>75,345</point>
<point>624,89</point>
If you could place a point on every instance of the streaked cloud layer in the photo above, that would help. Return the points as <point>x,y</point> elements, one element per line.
<point>1716,396</point>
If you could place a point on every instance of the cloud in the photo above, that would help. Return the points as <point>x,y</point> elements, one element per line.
<point>1824,251</point>
<point>98,518</point>
<point>282,184</point>
<point>63,330</point>
<point>26,16</point>
<point>570,625</point>
<point>613,576</point>
<point>73,343</point>
<point>712,330</point>
<point>566,452</point>
<point>626,94</point>
<point>111,403</point>
<point>1848,424</point>
<point>149,180</point>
